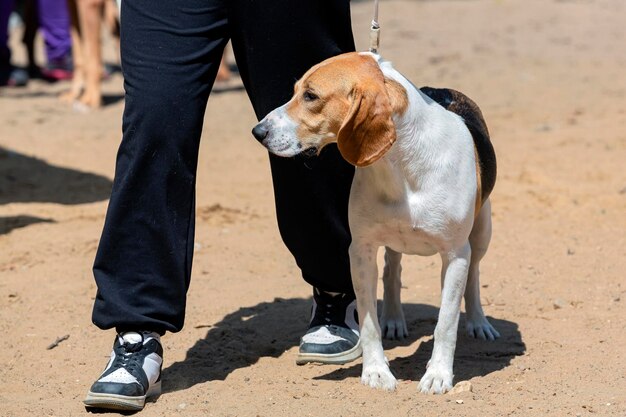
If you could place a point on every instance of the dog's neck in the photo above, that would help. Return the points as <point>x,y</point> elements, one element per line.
<point>402,168</point>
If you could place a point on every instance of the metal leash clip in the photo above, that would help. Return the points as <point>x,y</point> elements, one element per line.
<point>375,30</point>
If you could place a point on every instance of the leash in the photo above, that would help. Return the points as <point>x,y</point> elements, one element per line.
<point>375,30</point>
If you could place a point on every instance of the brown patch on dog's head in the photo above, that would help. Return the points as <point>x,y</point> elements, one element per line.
<point>347,99</point>
<point>367,131</point>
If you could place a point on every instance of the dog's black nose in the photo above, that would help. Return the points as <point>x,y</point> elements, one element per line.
<point>260,131</point>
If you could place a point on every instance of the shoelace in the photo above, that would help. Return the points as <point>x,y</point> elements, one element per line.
<point>126,357</point>
<point>330,310</point>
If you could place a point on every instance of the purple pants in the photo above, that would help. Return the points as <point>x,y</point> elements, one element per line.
<point>6,7</point>
<point>54,22</point>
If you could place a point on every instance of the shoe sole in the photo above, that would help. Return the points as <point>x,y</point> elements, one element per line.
<point>334,358</point>
<point>121,402</point>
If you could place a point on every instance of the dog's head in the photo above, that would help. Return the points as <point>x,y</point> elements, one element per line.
<point>345,99</point>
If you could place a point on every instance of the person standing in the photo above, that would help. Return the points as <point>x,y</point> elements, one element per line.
<point>9,75</point>
<point>54,22</point>
<point>171,51</point>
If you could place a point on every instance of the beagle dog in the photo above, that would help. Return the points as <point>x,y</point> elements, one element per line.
<point>425,169</point>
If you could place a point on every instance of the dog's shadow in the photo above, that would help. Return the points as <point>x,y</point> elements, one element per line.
<point>472,357</point>
<point>271,328</point>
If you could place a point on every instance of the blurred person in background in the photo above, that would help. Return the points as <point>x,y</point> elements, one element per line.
<point>89,69</point>
<point>9,75</point>
<point>54,23</point>
<point>52,18</point>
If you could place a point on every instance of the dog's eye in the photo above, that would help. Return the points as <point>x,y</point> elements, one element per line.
<point>309,96</point>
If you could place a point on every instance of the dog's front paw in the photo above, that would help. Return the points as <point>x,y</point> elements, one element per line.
<point>436,380</point>
<point>393,326</point>
<point>480,328</point>
<point>378,376</point>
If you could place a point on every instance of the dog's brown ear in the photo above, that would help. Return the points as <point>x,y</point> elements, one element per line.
<point>397,96</point>
<point>367,131</point>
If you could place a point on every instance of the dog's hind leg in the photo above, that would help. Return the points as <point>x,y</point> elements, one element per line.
<point>392,321</point>
<point>364,272</point>
<point>476,323</point>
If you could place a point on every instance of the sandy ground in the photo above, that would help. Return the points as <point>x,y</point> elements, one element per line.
<point>550,76</point>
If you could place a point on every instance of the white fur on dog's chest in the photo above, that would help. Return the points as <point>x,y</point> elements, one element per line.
<point>411,240</point>
<point>405,226</point>
<point>414,208</point>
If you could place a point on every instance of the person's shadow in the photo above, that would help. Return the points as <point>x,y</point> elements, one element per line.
<point>25,179</point>
<point>269,329</point>
<point>239,340</point>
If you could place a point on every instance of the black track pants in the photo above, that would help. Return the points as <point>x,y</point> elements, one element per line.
<point>171,50</point>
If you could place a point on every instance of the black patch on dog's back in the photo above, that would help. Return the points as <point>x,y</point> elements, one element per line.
<point>462,105</point>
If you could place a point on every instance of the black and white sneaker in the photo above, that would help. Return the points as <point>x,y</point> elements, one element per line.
<point>333,335</point>
<point>132,375</point>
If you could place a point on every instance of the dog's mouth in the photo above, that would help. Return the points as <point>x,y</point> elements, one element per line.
<point>310,152</point>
